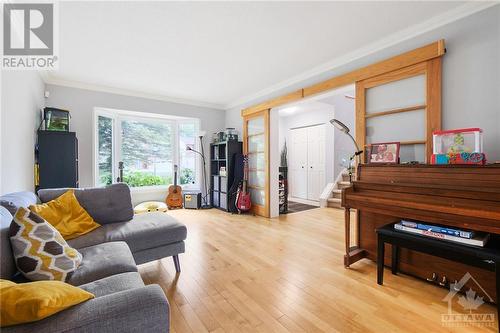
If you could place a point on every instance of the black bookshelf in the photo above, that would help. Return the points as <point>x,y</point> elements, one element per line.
<point>222,156</point>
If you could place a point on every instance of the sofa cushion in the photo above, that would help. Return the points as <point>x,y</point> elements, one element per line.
<point>7,264</point>
<point>108,204</point>
<point>147,231</point>
<point>13,201</point>
<point>66,215</point>
<point>103,260</point>
<point>113,284</point>
<point>29,302</point>
<point>39,249</point>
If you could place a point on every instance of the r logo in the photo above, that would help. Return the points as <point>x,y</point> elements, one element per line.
<point>28,29</point>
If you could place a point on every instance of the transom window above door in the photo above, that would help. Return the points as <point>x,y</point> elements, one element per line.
<point>149,145</point>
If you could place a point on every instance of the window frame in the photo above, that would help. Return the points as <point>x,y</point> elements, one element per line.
<point>117,116</point>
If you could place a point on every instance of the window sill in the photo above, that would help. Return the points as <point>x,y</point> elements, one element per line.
<point>162,188</point>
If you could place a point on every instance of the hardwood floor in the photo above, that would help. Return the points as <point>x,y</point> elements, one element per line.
<point>251,274</point>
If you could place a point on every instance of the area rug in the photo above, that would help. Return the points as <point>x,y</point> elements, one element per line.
<point>294,207</point>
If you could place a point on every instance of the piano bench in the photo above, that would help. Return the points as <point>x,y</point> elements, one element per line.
<point>483,257</point>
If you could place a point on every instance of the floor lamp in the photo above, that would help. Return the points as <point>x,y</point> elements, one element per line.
<point>205,204</point>
<point>344,129</point>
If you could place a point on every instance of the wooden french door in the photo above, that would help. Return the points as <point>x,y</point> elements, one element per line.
<point>402,106</point>
<point>256,146</point>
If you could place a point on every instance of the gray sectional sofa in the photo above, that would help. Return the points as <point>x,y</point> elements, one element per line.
<point>122,302</point>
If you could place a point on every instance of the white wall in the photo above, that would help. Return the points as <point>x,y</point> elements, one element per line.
<point>22,99</point>
<point>82,102</point>
<point>471,75</point>
<point>314,113</point>
<point>343,145</point>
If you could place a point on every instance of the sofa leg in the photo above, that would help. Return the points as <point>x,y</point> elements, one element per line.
<point>177,263</point>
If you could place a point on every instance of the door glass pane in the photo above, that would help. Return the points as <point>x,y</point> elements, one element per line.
<point>398,94</point>
<point>256,161</point>
<point>105,151</point>
<point>256,126</point>
<point>256,143</point>
<point>187,159</point>
<point>258,197</point>
<point>147,152</point>
<point>408,153</point>
<point>404,126</point>
<point>257,178</point>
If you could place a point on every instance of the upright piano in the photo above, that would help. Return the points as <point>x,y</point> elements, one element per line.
<point>462,196</point>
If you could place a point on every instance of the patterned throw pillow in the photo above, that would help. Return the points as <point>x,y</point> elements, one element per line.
<point>39,249</point>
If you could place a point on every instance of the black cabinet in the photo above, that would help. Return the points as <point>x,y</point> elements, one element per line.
<point>222,171</point>
<point>57,158</point>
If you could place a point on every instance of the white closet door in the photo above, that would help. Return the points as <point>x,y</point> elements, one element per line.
<point>316,161</point>
<point>298,159</point>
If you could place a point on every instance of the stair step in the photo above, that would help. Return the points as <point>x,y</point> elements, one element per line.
<point>343,184</point>
<point>334,203</point>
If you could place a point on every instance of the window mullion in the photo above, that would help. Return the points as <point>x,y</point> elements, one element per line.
<point>175,148</point>
<point>117,144</point>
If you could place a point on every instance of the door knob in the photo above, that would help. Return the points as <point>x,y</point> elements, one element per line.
<point>311,167</point>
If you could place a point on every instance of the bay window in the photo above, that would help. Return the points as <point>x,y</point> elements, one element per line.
<point>149,145</point>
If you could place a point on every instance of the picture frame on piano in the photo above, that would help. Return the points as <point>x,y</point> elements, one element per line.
<point>383,152</point>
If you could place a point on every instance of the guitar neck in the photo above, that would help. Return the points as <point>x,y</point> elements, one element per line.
<point>175,175</point>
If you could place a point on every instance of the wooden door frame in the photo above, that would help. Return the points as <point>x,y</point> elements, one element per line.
<point>430,54</point>
<point>257,209</point>
<point>432,71</point>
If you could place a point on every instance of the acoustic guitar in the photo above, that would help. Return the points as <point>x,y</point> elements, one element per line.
<point>174,196</point>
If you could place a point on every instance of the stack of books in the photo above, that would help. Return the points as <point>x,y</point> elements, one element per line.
<point>466,237</point>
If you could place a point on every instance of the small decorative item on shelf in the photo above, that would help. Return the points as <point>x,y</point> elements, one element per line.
<point>459,146</point>
<point>221,136</point>
<point>231,134</point>
<point>215,137</point>
<point>223,171</point>
<point>56,119</point>
<point>386,152</point>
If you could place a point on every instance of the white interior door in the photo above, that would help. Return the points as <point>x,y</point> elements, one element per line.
<point>298,159</point>
<point>315,161</point>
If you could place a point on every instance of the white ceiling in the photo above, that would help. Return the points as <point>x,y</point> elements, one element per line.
<point>219,53</point>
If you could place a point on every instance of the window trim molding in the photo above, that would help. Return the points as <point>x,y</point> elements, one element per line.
<point>115,114</point>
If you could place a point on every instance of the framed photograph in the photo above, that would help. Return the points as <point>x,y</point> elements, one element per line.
<point>385,152</point>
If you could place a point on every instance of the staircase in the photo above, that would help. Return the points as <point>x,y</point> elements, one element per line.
<point>331,194</point>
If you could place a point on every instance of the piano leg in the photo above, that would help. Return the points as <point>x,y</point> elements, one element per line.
<point>347,219</point>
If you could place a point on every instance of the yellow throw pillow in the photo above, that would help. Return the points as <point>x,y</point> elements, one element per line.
<point>67,215</point>
<point>27,302</point>
<point>39,250</point>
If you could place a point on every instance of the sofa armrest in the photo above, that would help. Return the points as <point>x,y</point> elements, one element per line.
<point>142,310</point>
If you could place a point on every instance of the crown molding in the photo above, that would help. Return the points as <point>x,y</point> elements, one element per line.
<point>433,23</point>
<point>49,79</point>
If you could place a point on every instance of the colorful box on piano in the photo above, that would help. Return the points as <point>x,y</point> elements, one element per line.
<point>459,158</point>
<point>459,146</point>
